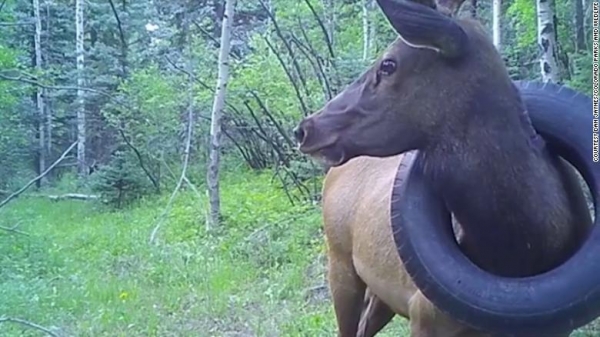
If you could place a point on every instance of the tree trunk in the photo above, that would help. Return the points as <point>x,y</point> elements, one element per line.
<point>367,29</point>
<point>496,16</point>
<point>47,105</point>
<point>547,42</point>
<point>328,9</point>
<point>37,42</point>
<point>215,126</point>
<point>81,134</point>
<point>579,31</point>
<point>269,30</point>
<point>587,13</point>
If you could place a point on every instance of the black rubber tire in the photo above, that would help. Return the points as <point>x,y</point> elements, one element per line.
<point>558,301</point>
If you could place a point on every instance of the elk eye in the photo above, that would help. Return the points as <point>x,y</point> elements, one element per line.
<point>387,67</point>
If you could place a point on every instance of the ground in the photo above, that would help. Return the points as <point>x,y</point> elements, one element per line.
<point>85,271</point>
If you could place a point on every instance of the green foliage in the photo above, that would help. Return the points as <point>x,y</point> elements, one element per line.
<point>582,74</point>
<point>15,137</point>
<point>121,181</point>
<point>150,126</point>
<point>278,91</point>
<point>524,17</point>
<point>156,102</point>
<point>262,275</point>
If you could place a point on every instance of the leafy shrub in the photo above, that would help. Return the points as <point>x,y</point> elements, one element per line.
<point>121,181</point>
<point>582,74</point>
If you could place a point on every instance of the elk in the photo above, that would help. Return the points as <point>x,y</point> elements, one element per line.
<point>440,107</point>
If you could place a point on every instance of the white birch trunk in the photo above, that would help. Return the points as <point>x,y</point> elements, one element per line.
<point>579,28</point>
<point>37,42</point>
<point>81,134</point>
<point>496,16</point>
<point>217,111</point>
<point>269,4</point>
<point>367,29</point>
<point>547,42</point>
<point>47,106</point>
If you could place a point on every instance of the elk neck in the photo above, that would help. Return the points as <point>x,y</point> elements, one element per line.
<point>498,179</point>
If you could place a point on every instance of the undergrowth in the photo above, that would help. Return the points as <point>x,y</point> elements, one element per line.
<point>85,270</point>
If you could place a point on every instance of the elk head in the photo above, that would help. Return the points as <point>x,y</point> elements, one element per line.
<point>404,99</point>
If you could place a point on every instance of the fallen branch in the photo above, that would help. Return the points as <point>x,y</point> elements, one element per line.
<point>34,180</point>
<point>14,229</point>
<point>28,324</point>
<point>71,196</point>
<point>66,196</point>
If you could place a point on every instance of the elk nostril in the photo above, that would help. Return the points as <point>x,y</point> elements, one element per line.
<point>299,134</point>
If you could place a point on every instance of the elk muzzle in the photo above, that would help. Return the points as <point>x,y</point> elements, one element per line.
<point>317,136</point>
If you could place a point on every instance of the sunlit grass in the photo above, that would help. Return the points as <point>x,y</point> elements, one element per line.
<point>87,271</point>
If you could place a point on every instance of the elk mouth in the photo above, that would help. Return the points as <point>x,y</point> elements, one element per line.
<point>321,144</point>
<point>333,154</point>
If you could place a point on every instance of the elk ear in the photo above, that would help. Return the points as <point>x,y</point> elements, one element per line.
<point>420,25</point>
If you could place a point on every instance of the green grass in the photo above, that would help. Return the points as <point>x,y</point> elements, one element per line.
<point>87,271</point>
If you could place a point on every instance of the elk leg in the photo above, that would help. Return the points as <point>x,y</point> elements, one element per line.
<point>376,316</point>
<point>423,321</point>
<point>426,320</point>
<point>347,291</point>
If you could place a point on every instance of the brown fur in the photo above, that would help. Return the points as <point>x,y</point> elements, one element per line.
<point>362,253</point>
<point>521,210</point>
